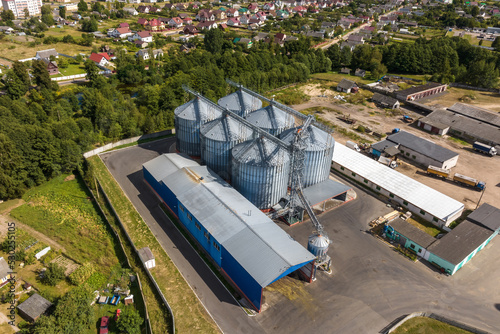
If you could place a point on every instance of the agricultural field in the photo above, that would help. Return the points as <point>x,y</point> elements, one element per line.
<point>62,210</point>
<point>422,325</point>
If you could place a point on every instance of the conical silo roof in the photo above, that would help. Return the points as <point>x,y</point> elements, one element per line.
<point>240,102</point>
<point>226,129</point>
<point>271,117</point>
<point>260,152</point>
<point>197,110</point>
<point>316,138</point>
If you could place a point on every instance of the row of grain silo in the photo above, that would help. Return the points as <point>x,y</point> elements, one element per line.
<point>256,166</point>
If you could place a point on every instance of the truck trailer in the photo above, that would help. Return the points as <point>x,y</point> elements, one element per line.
<point>485,149</point>
<point>436,171</point>
<point>469,181</point>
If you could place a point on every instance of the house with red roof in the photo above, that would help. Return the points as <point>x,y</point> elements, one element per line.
<point>101,59</point>
<point>142,21</point>
<point>187,20</point>
<point>233,22</point>
<point>142,36</point>
<point>124,25</point>
<point>175,22</point>
<point>120,33</point>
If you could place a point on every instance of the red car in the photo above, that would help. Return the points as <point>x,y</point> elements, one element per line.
<point>103,329</point>
<point>117,315</point>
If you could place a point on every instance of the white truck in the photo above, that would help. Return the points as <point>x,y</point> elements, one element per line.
<point>353,146</point>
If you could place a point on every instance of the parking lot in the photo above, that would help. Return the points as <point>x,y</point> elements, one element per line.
<point>371,284</point>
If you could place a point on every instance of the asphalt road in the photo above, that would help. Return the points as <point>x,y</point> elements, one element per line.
<point>126,167</point>
<point>371,284</point>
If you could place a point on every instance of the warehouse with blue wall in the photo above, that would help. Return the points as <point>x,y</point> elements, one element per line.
<point>250,249</point>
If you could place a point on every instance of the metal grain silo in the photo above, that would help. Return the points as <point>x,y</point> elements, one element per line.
<point>218,137</point>
<point>188,119</point>
<point>318,154</point>
<point>260,171</point>
<point>240,103</point>
<point>272,119</point>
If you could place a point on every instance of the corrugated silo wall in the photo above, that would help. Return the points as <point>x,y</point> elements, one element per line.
<point>264,186</point>
<point>317,166</point>
<point>217,155</point>
<point>188,136</point>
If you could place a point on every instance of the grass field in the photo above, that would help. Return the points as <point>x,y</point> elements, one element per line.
<point>21,50</point>
<point>486,100</point>
<point>64,212</point>
<point>190,315</point>
<point>423,325</point>
<point>72,70</point>
<point>337,77</point>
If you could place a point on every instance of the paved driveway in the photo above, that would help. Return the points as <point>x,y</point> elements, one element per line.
<point>371,284</point>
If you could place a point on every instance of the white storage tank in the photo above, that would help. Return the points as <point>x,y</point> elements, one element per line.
<point>240,103</point>
<point>189,117</point>
<point>318,154</point>
<point>318,245</point>
<point>218,137</point>
<point>260,171</point>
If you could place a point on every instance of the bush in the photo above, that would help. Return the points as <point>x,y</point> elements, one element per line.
<point>361,129</point>
<point>96,281</point>
<point>81,274</point>
<point>54,274</point>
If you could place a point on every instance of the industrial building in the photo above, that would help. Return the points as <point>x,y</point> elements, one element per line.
<point>418,149</point>
<point>248,247</point>
<point>465,121</point>
<point>456,248</point>
<point>420,92</point>
<point>414,196</point>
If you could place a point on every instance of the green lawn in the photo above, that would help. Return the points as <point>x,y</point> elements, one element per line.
<point>65,212</point>
<point>72,69</point>
<point>423,325</point>
<point>337,77</point>
<point>190,316</point>
<point>425,226</point>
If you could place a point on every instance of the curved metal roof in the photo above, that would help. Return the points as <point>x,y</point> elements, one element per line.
<point>240,101</point>
<point>260,152</point>
<point>226,129</point>
<point>316,139</point>
<point>197,110</point>
<point>271,117</point>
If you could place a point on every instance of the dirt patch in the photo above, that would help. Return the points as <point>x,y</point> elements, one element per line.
<point>317,90</point>
<point>382,121</point>
<point>69,178</point>
<point>68,264</point>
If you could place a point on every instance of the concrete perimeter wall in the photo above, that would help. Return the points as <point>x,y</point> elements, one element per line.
<point>109,146</point>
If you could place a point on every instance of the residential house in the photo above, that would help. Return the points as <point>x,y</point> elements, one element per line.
<point>219,14</point>
<point>262,36</point>
<point>345,70</point>
<point>46,54</point>
<point>245,41</point>
<point>142,22</point>
<point>143,9</point>
<point>269,6</point>
<point>120,33</point>
<point>206,25</point>
<point>347,86</point>
<point>233,22</point>
<point>190,30</point>
<point>175,22</point>
<point>232,12</point>
<point>187,20</point>
<point>124,25</point>
<point>6,29</point>
<point>360,73</point>
<point>142,36</point>
<point>356,39</point>
<point>144,53</point>
<point>205,15</point>
<point>101,59</point>
<point>52,67</point>
<point>4,272</point>
<point>132,11</point>
<point>245,19</point>
<point>253,7</point>
<point>181,6</point>
<point>186,47</point>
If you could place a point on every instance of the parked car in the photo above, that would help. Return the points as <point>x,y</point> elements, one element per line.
<point>103,328</point>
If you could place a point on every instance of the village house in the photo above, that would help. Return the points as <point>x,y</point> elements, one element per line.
<point>142,36</point>
<point>347,86</point>
<point>101,59</point>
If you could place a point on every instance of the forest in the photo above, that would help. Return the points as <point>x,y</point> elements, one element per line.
<point>45,128</point>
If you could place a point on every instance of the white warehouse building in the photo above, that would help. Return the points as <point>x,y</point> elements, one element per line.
<point>416,197</point>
